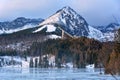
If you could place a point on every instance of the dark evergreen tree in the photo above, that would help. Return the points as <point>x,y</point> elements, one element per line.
<point>31,63</point>
<point>40,62</point>
<point>36,62</point>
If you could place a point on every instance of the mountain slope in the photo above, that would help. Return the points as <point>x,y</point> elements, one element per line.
<point>65,19</point>
<point>96,34</point>
<point>18,24</point>
<point>72,23</point>
<point>108,31</point>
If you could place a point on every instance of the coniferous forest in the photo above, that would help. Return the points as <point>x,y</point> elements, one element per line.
<point>80,51</point>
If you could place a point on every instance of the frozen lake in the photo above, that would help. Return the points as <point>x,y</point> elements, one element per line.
<point>52,74</point>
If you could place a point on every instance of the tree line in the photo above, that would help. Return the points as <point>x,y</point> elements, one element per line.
<point>79,51</point>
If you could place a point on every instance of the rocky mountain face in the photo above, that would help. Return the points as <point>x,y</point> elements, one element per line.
<point>67,19</point>
<point>18,24</point>
<point>72,23</point>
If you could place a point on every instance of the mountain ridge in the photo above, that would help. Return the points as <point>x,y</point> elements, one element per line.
<point>67,20</point>
<point>71,22</point>
<point>18,24</point>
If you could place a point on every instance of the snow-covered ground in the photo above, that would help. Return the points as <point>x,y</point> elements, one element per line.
<point>18,62</point>
<point>91,66</point>
<point>14,62</point>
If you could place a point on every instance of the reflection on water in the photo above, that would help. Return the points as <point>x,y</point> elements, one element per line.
<point>52,74</point>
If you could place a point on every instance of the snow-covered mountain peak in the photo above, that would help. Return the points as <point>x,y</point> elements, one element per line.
<point>69,21</point>
<point>64,20</point>
<point>67,9</point>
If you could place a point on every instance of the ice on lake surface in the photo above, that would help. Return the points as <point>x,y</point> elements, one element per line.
<point>52,74</point>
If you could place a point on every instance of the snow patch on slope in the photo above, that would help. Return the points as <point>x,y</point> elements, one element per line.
<point>94,33</point>
<point>39,29</point>
<point>54,36</point>
<point>18,29</point>
<point>50,28</point>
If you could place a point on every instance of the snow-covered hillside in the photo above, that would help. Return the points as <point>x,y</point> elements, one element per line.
<point>27,26</point>
<point>18,24</point>
<point>50,28</point>
<point>72,23</point>
<point>65,19</point>
<point>96,34</point>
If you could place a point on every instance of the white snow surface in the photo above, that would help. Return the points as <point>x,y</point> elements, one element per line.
<point>90,66</point>
<point>39,29</point>
<point>25,64</point>
<point>50,28</point>
<point>94,33</point>
<point>20,63</point>
<point>69,65</point>
<point>54,36</point>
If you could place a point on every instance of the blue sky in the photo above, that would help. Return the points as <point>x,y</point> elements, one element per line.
<point>96,12</point>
